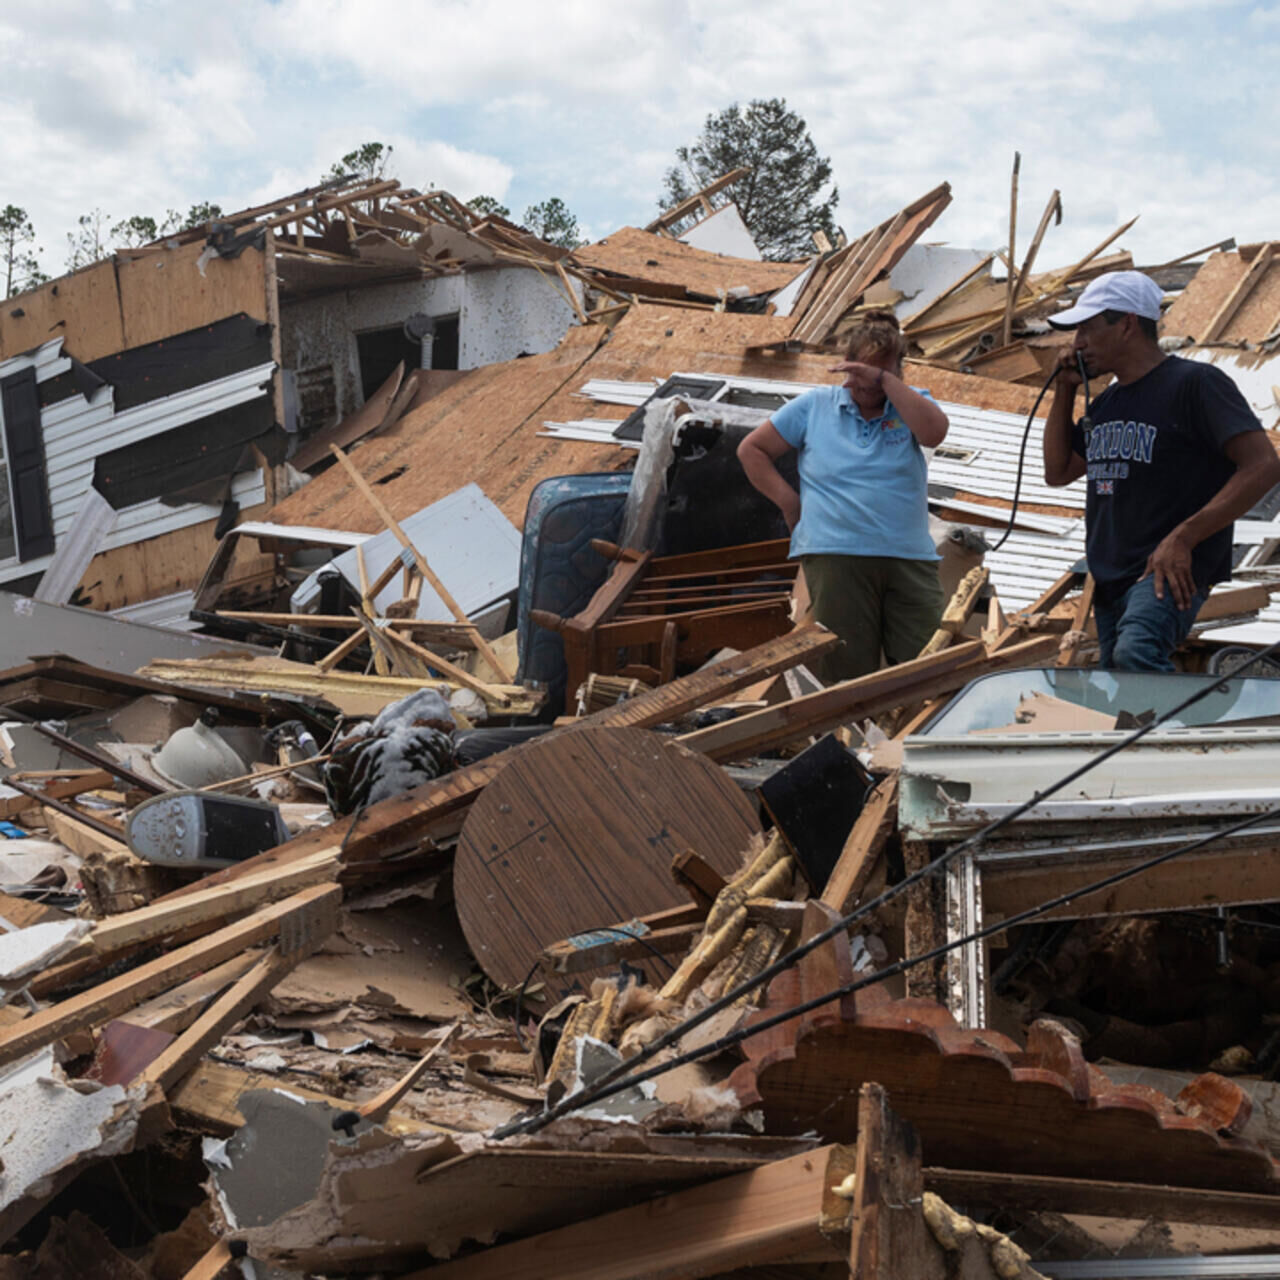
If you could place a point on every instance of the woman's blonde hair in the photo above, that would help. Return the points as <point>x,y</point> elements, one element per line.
<point>876,333</point>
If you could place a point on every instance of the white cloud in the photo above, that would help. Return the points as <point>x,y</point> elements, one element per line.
<point>1159,107</point>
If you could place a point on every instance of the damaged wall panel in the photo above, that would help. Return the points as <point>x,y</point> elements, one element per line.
<point>172,291</point>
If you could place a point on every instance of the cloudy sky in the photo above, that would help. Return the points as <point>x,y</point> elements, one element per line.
<point>1165,108</point>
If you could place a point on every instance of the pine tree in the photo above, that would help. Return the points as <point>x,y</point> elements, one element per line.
<point>21,267</point>
<point>551,221</point>
<point>780,199</point>
<point>488,205</point>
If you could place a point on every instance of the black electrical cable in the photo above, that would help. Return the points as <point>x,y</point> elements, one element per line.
<point>606,1090</point>
<point>767,974</point>
<point>1086,422</point>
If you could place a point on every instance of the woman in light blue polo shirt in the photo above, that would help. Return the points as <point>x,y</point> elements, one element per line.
<point>860,523</point>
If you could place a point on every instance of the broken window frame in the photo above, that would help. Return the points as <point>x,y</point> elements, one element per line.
<point>966,968</point>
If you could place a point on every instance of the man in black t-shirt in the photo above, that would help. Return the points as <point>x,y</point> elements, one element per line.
<point>1172,454</point>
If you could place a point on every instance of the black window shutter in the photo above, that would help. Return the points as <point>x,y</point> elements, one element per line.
<point>24,454</point>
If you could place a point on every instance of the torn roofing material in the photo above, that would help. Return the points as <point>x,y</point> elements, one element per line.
<point>642,255</point>
<point>484,429</point>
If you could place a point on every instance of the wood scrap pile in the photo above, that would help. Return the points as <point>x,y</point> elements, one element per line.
<point>406,1037</point>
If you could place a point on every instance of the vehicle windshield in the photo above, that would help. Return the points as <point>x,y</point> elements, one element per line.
<point>1065,700</point>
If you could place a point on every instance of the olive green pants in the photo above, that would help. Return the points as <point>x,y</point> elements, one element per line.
<point>874,604</point>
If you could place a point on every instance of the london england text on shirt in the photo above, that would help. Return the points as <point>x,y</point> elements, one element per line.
<point>1112,446</point>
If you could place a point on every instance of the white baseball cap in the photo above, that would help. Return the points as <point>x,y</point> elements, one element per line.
<point>1128,291</point>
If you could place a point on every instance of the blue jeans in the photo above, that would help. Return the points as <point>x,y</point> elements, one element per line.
<point>1138,632</point>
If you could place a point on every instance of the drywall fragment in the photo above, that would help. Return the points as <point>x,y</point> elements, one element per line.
<point>592,1059</point>
<point>24,952</point>
<point>50,1126</point>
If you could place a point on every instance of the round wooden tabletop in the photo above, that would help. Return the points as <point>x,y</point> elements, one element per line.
<point>578,832</point>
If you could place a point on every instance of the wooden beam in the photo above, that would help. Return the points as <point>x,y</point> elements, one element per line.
<point>110,999</point>
<point>1011,291</point>
<point>436,810</point>
<point>1235,299</point>
<point>862,848</point>
<point>1054,206</point>
<point>176,1010</point>
<point>770,1214</point>
<point>181,1056</point>
<point>917,680</point>
<point>911,323</point>
<point>61,789</point>
<point>888,1236</point>
<point>424,568</point>
<point>1027,1193</point>
<point>1075,636</point>
<point>687,206</point>
<point>208,1099</point>
<point>212,1264</point>
<point>220,902</point>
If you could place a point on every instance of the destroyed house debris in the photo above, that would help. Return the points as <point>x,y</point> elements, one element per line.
<point>483,884</point>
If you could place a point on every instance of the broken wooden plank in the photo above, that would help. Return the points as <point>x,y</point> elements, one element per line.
<point>959,609</point>
<point>110,999</point>
<point>771,1214</point>
<point>419,559</point>
<point>202,906</point>
<point>888,1236</point>
<point>377,1109</point>
<point>862,849</point>
<point>59,789</point>
<point>1032,1193</point>
<point>208,1099</point>
<point>1076,635</point>
<point>183,1054</point>
<point>437,809</point>
<point>176,1010</point>
<point>917,680</point>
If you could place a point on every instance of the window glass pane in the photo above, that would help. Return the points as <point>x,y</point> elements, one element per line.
<point>991,701</point>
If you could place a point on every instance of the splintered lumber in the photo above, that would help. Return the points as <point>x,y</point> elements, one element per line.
<point>1075,636</point>
<point>863,847</point>
<point>697,201</point>
<point>344,688</point>
<point>378,1108</point>
<point>435,811</point>
<point>845,276</point>
<point>110,999</point>
<point>781,1212</point>
<point>888,1236</point>
<point>103,830</point>
<point>1031,1193</point>
<point>419,559</point>
<point>58,789</point>
<point>208,1099</point>
<point>183,1054</point>
<point>1011,292</point>
<point>393,640</point>
<point>178,1009</point>
<point>205,906</point>
<point>917,680</point>
<point>959,608</point>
